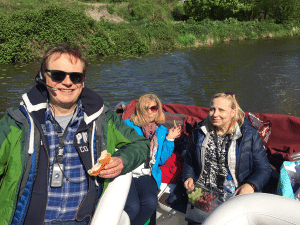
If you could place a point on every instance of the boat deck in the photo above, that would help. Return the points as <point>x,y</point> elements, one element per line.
<point>165,214</point>
<point>165,218</point>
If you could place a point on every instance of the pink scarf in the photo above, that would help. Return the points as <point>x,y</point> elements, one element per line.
<point>150,133</point>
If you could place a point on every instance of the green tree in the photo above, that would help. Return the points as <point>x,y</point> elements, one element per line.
<point>216,9</point>
<point>283,10</point>
<point>150,10</point>
<point>280,10</point>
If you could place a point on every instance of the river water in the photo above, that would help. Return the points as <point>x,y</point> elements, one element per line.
<point>264,74</point>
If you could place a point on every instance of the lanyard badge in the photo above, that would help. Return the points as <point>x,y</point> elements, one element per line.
<point>57,175</point>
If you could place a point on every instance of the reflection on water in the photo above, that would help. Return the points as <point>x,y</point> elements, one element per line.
<point>264,74</point>
<point>14,81</point>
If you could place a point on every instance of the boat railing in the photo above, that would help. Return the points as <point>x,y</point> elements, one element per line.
<point>110,208</point>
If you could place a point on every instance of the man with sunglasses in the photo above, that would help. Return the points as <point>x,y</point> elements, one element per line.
<point>53,138</point>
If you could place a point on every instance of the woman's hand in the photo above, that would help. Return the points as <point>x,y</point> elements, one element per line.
<point>174,132</point>
<point>244,189</point>
<point>189,184</point>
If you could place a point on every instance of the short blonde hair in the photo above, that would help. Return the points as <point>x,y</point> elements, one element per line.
<point>139,118</point>
<point>239,114</point>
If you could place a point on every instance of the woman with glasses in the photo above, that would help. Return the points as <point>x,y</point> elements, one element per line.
<point>146,120</point>
<point>226,143</point>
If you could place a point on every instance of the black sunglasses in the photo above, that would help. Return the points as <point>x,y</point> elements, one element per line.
<point>59,76</point>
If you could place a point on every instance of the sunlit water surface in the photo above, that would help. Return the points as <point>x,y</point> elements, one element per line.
<point>264,75</point>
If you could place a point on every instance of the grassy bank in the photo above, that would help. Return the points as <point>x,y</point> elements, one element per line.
<point>28,29</point>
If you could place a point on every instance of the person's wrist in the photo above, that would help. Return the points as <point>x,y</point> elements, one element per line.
<point>251,185</point>
<point>170,138</point>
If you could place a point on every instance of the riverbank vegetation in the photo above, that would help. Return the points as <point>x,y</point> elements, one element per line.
<point>133,27</point>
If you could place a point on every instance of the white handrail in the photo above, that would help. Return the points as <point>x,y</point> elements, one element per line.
<point>256,209</point>
<point>110,207</point>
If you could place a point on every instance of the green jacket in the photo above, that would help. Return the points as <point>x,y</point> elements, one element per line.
<point>23,145</point>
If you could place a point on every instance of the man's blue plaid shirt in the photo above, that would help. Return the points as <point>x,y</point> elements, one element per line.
<point>64,202</point>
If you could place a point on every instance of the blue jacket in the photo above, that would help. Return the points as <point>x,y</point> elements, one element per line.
<point>251,164</point>
<point>164,151</point>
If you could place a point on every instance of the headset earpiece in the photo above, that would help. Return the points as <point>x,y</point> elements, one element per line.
<point>40,77</point>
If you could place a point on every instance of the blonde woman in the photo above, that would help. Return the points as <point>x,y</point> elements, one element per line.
<point>147,120</point>
<point>226,143</point>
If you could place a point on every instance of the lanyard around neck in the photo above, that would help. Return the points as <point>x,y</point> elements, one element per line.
<point>61,137</point>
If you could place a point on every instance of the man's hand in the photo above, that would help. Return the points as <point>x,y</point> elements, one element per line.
<point>112,169</point>
<point>244,189</point>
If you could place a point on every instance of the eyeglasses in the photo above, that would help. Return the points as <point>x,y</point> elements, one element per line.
<point>152,108</point>
<point>59,76</point>
<point>229,93</point>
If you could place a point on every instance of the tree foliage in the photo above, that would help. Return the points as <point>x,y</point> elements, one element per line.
<point>215,9</point>
<point>283,10</point>
<point>150,10</point>
<point>280,10</point>
<point>25,33</point>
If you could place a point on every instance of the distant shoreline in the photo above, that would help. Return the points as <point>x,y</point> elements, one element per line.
<point>26,34</point>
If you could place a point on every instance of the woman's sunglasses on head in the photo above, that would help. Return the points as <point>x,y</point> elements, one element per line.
<point>59,76</point>
<point>152,108</point>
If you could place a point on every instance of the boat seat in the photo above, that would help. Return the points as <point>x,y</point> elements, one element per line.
<point>256,209</point>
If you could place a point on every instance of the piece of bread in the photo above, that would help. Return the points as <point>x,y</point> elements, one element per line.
<point>102,161</point>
